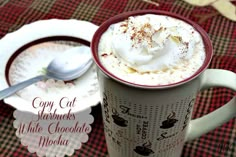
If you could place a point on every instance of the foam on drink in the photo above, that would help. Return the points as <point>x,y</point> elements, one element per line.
<point>151,50</point>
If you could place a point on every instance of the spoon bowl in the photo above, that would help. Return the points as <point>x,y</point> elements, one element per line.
<point>70,65</point>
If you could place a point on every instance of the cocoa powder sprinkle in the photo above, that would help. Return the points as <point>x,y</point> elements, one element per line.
<point>104,55</point>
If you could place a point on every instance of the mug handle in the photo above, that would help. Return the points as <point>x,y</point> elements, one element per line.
<point>214,78</point>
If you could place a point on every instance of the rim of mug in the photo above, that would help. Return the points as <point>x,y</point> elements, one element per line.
<point>120,17</point>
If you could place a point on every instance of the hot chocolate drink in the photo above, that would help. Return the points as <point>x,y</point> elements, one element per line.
<point>151,65</point>
<point>151,50</point>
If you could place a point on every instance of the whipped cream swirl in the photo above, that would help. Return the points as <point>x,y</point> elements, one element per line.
<point>147,44</point>
<point>151,50</point>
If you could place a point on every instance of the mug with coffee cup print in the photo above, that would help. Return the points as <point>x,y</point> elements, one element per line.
<point>151,65</point>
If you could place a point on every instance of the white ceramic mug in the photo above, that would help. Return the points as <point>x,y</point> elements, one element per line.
<point>155,120</point>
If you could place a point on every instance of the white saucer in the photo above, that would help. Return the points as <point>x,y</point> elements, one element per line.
<point>31,61</point>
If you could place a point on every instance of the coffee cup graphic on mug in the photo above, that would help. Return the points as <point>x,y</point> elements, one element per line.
<point>151,65</point>
<point>169,122</point>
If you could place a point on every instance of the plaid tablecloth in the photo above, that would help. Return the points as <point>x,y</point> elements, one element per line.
<point>218,143</point>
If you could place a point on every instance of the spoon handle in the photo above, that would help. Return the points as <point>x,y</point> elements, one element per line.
<point>13,89</point>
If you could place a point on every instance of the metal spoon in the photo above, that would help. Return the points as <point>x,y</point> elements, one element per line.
<point>73,63</point>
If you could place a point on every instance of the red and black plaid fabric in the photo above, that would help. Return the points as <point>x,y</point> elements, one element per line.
<point>218,143</point>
